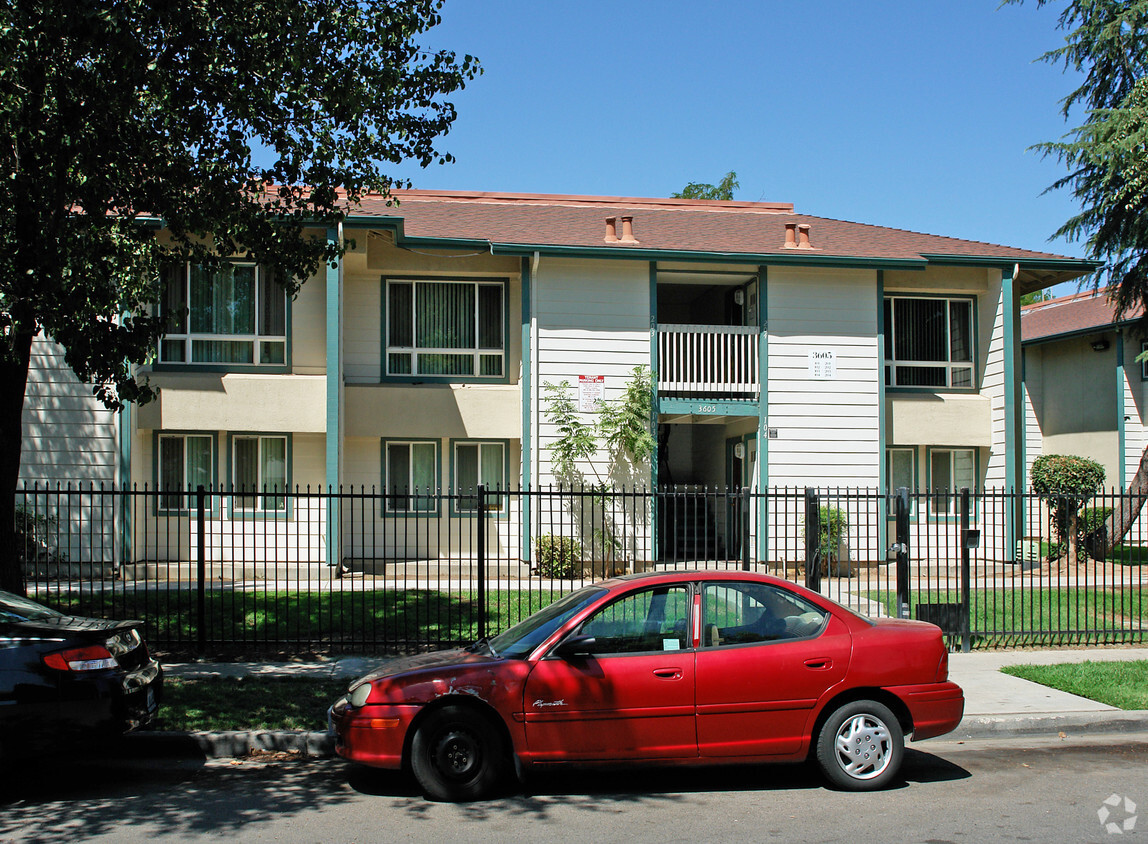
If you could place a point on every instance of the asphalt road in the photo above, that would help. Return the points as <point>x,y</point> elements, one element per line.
<point>983,791</point>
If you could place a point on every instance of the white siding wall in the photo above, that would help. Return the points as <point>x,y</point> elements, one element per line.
<point>828,430</point>
<point>991,313</point>
<point>1033,404</point>
<point>1135,412</point>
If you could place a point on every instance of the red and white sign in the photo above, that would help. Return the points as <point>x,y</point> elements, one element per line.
<point>591,389</point>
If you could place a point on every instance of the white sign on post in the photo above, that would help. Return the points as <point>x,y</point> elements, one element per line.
<point>591,388</point>
<point>823,365</point>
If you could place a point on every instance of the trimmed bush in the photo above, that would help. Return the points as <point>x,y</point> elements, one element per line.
<point>558,556</point>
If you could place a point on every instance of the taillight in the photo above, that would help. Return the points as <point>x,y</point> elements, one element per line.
<point>91,658</point>
<point>943,668</point>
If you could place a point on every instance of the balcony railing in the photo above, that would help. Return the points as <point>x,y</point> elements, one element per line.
<point>712,361</point>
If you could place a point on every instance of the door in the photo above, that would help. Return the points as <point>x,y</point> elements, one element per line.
<point>766,657</point>
<point>631,698</point>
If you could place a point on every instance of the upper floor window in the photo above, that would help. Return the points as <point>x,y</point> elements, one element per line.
<point>443,329</point>
<point>233,315</point>
<point>929,342</point>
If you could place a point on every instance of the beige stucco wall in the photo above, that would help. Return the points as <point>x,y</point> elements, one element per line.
<point>235,402</point>
<point>938,419</point>
<point>434,410</point>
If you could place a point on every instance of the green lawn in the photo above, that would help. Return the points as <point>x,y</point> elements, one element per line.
<point>1120,684</point>
<point>329,620</point>
<point>247,704</point>
<point>1129,555</point>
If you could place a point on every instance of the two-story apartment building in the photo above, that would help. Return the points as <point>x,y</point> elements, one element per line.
<point>786,349</point>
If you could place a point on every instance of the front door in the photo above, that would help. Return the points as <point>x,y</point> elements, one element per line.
<point>632,698</point>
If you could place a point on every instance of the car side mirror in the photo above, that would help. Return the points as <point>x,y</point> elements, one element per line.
<point>576,647</point>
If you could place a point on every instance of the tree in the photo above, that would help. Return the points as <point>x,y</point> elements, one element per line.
<point>1107,160</point>
<point>703,190</point>
<point>1034,297</point>
<point>118,114</point>
<point>1065,482</point>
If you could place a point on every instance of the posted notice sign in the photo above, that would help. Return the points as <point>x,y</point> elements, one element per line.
<point>591,388</point>
<point>822,365</point>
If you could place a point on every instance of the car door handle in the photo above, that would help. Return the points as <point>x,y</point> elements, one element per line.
<point>668,673</point>
<point>819,663</point>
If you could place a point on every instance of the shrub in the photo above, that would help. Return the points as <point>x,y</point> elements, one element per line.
<point>34,535</point>
<point>834,523</point>
<point>1093,531</point>
<point>558,556</point>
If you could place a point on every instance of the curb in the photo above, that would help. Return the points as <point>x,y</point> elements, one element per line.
<point>1075,724</point>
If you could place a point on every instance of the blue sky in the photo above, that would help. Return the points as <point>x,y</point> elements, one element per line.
<point>914,114</point>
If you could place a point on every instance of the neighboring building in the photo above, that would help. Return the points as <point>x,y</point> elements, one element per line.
<point>789,350</point>
<point>1085,392</point>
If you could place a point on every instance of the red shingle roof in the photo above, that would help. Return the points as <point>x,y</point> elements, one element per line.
<point>1078,313</point>
<point>752,228</point>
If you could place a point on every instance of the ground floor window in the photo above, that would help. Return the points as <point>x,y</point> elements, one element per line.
<point>259,472</point>
<point>950,470</point>
<point>411,475</point>
<point>478,463</point>
<point>184,461</point>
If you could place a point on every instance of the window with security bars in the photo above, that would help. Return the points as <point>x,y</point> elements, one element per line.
<point>929,342</point>
<point>444,329</point>
<point>235,315</point>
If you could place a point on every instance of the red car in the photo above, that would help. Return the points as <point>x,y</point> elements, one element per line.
<point>681,667</point>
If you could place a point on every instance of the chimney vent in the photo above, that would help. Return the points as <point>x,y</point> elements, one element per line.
<point>611,230</point>
<point>791,235</point>
<point>803,237</point>
<point>628,230</point>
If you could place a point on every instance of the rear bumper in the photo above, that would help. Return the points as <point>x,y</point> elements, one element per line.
<point>936,708</point>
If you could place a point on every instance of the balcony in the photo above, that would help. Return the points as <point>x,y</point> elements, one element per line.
<point>708,361</point>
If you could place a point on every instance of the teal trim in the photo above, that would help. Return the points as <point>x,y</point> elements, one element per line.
<point>525,460</point>
<point>156,436</point>
<point>710,407</point>
<point>334,426</point>
<point>412,514</point>
<point>223,368</point>
<point>882,433</point>
<point>1007,263</point>
<point>384,378</point>
<point>1121,376</point>
<point>234,512</point>
<point>762,411</point>
<point>456,493</point>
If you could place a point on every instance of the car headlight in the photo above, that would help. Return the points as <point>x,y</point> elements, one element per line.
<point>359,694</point>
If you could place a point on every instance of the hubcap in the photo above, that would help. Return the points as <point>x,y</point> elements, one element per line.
<point>863,747</point>
<point>457,754</point>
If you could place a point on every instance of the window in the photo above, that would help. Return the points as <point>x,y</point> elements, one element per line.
<point>234,315</point>
<point>928,342</point>
<point>950,470</point>
<point>184,462</point>
<point>748,613</point>
<point>446,329</point>
<point>899,469</point>
<point>650,620</point>
<point>479,463</point>
<point>259,473</point>
<point>411,471</point>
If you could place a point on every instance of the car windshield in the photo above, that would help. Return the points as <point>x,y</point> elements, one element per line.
<point>524,637</point>
<point>15,608</point>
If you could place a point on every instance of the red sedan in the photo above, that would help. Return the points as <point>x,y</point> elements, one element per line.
<point>679,668</point>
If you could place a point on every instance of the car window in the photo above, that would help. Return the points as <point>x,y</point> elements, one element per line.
<point>521,639</point>
<point>651,620</point>
<point>16,608</point>
<point>748,613</point>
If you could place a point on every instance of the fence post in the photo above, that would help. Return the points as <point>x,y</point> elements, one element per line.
<point>966,574</point>
<point>745,528</point>
<point>812,540</point>
<point>481,560</point>
<point>902,546</point>
<point>201,569</point>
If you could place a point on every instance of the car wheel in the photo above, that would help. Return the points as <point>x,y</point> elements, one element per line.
<point>457,754</point>
<point>860,746</point>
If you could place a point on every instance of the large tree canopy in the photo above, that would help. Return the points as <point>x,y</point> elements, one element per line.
<point>234,122</point>
<point>704,190</point>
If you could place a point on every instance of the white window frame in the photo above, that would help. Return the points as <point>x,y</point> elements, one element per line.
<point>494,503</point>
<point>948,365</point>
<point>417,493</point>
<point>954,487</point>
<point>260,343</point>
<point>259,495</point>
<point>174,497</point>
<point>477,352</point>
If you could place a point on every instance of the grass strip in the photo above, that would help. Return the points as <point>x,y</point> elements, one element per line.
<point>1120,684</point>
<point>252,703</point>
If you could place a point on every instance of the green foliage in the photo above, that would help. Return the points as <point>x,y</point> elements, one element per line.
<point>249,703</point>
<point>34,535</point>
<point>625,424</point>
<point>558,556</point>
<point>1034,297</point>
<point>704,190</point>
<point>834,523</point>
<point>1066,476</point>
<point>1120,684</point>
<point>1107,156</point>
<point>575,440</point>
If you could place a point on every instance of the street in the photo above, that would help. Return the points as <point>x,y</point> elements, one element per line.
<point>983,791</point>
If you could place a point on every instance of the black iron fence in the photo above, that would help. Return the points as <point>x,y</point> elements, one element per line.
<point>287,572</point>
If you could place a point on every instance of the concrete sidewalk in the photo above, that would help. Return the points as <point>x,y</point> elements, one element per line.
<point>996,705</point>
